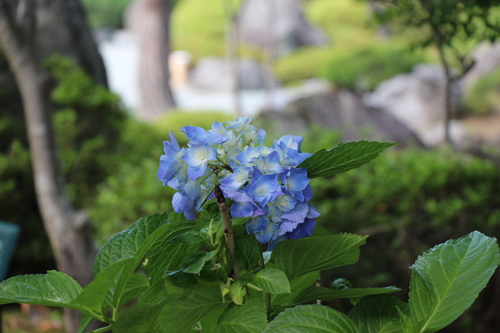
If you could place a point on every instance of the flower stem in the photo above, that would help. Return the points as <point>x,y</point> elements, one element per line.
<point>228,228</point>
<point>267,297</point>
<point>102,329</point>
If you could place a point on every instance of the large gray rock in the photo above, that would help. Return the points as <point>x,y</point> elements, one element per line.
<point>417,100</point>
<point>341,110</point>
<point>279,25</point>
<point>213,73</point>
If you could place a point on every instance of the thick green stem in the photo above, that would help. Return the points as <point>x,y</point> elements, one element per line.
<point>228,228</point>
<point>267,297</point>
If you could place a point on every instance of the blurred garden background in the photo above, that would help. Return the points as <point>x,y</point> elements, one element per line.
<point>119,75</point>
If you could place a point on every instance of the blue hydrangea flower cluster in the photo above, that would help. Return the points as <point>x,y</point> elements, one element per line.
<point>264,182</point>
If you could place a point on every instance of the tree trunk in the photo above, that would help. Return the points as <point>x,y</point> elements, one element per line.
<point>152,23</point>
<point>61,27</point>
<point>232,47</point>
<point>68,232</point>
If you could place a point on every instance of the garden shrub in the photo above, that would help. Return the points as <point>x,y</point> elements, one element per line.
<point>105,13</point>
<point>344,21</point>
<point>87,121</point>
<point>363,68</point>
<point>484,96</point>
<point>199,26</point>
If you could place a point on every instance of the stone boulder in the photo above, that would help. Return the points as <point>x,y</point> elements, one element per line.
<point>278,25</point>
<point>416,99</point>
<point>213,73</point>
<point>340,110</point>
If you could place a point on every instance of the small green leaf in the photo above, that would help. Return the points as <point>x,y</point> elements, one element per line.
<point>379,314</point>
<point>343,157</point>
<point>272,281</point>
<point>247,318</point>
<point>94,294</point>
<point>135,287</point>
<point>167,257</point>
<point>238,291</point>
<point>297,285</point>
<point>309,254</point>
<point>139,317</point>
<point>181,315</point>
<point>448,278</point>
<point>246,252</point>
<point>311,319</point>
<point>327,294</point>
<point>194,262</point>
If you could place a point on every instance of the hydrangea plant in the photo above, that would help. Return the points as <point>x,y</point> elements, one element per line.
<point>242,252</point>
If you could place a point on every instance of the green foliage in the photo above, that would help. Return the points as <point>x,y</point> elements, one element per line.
<point>105,13</point>
<point>345,156</point>
<point>87,124</point>
<point>248,318</point>
<point>328,294</point>
<point>484,96</point>
<point>441,287</point>
<point>363,68</point>
<point>379,314</point>
<point>272,281</point>
<point>51,289</point>
<point>311,319</point>
<point>199,26</point>
<point>359,66</point>
<point>454,26</point>
<point>446,279</point>
<point>295,258</point>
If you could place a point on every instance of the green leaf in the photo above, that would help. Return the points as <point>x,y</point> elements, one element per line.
<point>246,252</point>
<point>167,257</point>
<point>51,289</point>
<point>309,254</point>
<point>135,287</point>
<point>378,314</point>
<point>134,242</point>
<point>296,286</point>
<point>247,318</point>
<point>272,281</point>
<point>163,291</point>
<point>139,317</point>
<point>327,294</point>
<point>181,315</point>
<point>94,294</point>
<point>343,157</point>
<point>194,262</point>
<point>238,291</point>
<point>448,278</point>
<point>85,320</point>
<point>311,319</point>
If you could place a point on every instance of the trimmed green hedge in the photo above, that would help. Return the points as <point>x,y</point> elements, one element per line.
<point>484,96</point>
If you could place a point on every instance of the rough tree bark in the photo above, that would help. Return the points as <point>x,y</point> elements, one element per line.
<point>151,23</point>
<point>68,231</point>
<point>61,27</point>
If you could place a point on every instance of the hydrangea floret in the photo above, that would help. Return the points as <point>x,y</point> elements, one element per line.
<point>263,183</point>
